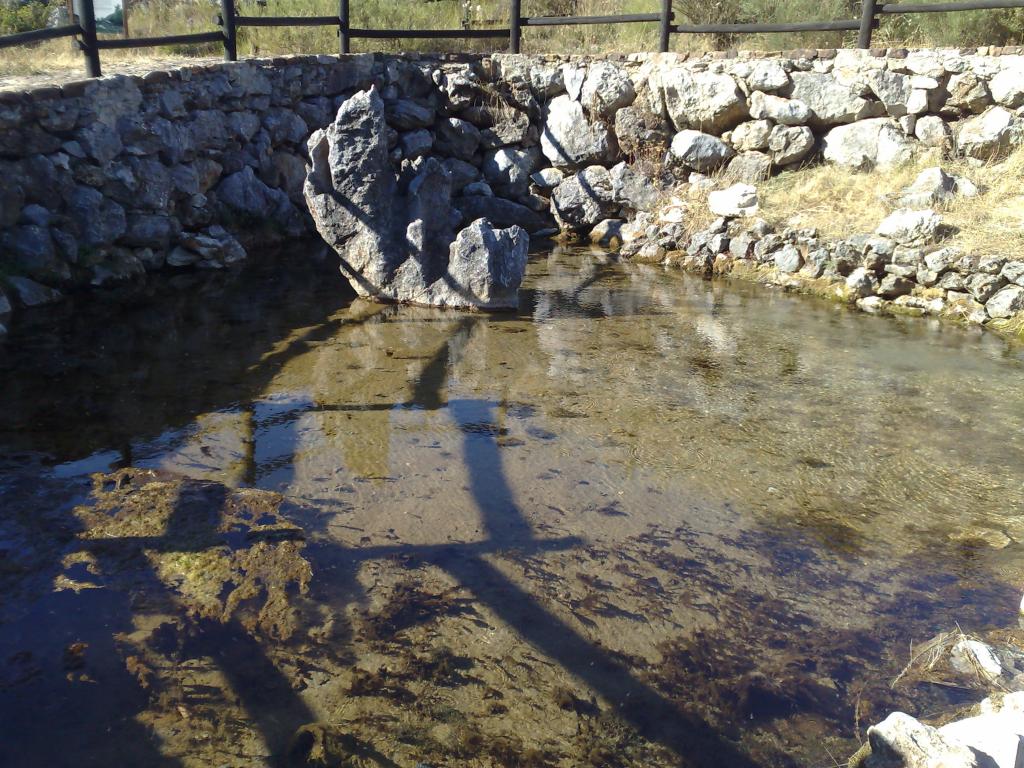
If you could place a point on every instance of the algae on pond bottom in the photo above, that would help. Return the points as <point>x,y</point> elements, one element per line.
<point>646,520</point>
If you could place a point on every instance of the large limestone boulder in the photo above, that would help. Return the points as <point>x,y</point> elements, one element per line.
<point>397,245</point>
<point>641,132</point>
<point>998,735</point>
<point>606,89</point>
<point>932,131</point>
<point>28,293</point>
<point>739,200</point>
<point>831,102</point>
<point>1007,87</point>
<point>246,196</point>
<point>508,170</point>
<point>545,80</point>
<point>501,213</point>
<point>968,92</point>
<point>584,199</point>
<point>700,151</point>
<point>764,106</point>
<point>868,144</point>
<point>933,186</point>
<point>762,74</point>
<point>634,190</point>
<point>1006,303</point>
<point>893,89</point>
<point>705,101</point>
<point>991,134</point>
<point>903,740</point>
<point>485,268</point>
<point>752,135</point>
<point>454,137</point>
<point>789,145</point>
<point>907,227</point>
<point>570,140</point>
<point>749,167</point>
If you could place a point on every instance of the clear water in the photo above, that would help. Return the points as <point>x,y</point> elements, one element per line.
<point>646,520</point>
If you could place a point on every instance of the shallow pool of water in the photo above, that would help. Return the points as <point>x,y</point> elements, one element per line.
<point>646,520</point>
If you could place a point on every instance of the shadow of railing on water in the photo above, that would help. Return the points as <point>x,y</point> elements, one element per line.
<point>273,705</point>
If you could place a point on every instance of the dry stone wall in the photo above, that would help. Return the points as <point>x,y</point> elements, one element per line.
<point>103,181</point>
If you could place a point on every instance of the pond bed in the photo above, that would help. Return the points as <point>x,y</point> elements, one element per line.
<point>647,519</point>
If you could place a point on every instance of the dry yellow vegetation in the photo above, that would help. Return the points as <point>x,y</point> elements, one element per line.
<point>839,202</point>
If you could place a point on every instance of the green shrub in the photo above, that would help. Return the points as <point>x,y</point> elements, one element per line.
<point>25,17</point>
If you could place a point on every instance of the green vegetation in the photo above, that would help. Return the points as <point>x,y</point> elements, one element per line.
<point>24,17</point>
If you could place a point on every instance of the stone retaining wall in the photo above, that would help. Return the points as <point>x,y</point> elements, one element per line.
<point>104,180</point>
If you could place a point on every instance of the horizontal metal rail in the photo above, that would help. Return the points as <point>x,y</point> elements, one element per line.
<point>800,26</point>
<point>287,21</point>
<point>558,21</point>
<point>427,34</point>
<point>36,35</point>
<point>966,5</point>
<point>150,42</point>
<point>86,32</point>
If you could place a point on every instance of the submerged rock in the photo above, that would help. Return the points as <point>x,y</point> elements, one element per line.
<point>28,293</point>
<point>402,247</point>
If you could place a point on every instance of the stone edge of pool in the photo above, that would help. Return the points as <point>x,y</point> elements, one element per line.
<point>108,179</point>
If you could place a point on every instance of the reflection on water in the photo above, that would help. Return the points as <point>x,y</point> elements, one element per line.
<point>648,519</point>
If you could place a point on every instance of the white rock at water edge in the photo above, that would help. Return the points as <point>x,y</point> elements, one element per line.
<point>1006,303</point>
<point>903,740</point>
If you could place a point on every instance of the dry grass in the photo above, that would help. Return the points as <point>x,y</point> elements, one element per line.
<point>57,62</point>
<point>840,203</point>
<point>1013,326</point>
<point>931,663</point>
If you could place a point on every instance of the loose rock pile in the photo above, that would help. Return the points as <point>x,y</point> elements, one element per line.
<point>902,267</point>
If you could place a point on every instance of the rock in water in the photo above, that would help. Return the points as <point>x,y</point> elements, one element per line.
<point>901,740</point>
<point>402,246</point>
<point>487,264</point>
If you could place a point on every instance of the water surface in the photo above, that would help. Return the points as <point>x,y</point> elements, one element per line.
<point>646,520</point>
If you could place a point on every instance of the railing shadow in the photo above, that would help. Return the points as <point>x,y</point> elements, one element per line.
<point>271,702</point>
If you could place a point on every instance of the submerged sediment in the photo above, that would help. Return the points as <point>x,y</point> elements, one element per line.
<point>653,518</point>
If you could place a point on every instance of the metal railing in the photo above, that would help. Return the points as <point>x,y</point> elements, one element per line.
<point>84,28</point>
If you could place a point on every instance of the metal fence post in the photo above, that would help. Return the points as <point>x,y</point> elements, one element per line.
<point>666,19</point>
<point>343,25</point>
<point>227,24</point>
<point>89,49</point>
<point>514,33</point>
<point>867,22</point>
